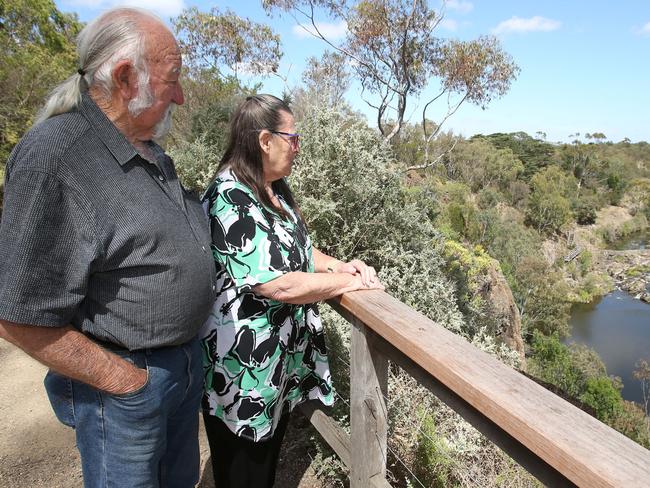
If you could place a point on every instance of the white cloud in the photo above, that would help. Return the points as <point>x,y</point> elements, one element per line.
<point>534,24</point>
<point>162,8</point>
<point>329,30</point>
<point>449,24</point>
<point>459,5</point>
<point>645,30</point>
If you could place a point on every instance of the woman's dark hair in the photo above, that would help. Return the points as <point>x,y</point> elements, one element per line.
<point>243,153</point>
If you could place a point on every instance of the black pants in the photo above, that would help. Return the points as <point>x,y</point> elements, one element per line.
<point>238,462</point>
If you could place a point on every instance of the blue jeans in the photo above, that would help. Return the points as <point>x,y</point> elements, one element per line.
<point>144,439</point>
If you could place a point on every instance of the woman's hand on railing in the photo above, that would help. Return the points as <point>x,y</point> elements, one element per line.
<point>299,287</point>
<point>367,280</point>
<point>368,275</point>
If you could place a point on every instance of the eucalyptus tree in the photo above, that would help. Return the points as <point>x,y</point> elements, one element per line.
<point>222,52</point>
<point>327,77</point>
<point>396,55</point>
<point>324,83</point>
<point>226,43</point>
<point>38,51</point>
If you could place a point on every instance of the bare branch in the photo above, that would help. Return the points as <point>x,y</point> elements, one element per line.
<point>396,54</point>
<point>318,34</point>
<point>449,114</point>
<point>435,161</point>
<point>424,111</point>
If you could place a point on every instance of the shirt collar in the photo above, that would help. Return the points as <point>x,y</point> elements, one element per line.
<point>112,138</point>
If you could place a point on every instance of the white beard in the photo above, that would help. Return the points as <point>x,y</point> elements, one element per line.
<point>144,100</point>
<point>163,127</point>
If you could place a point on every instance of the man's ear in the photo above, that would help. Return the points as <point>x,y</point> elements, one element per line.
<point>125,79</point>
<point>264,139</point>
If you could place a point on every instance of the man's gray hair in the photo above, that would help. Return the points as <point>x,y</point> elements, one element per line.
<point>114,36</point>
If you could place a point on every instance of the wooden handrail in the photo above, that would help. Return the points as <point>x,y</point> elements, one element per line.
<point>520,415</point>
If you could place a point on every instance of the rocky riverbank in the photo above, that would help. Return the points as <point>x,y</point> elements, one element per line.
<point>630,271</point>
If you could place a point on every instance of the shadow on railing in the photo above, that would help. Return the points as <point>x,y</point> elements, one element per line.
<point>555,441</point>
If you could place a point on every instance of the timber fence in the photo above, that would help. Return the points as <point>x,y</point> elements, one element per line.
<point>555,441</point>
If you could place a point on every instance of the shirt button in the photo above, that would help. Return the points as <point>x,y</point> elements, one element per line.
<point>203,248</point>
<point>161,177</point>
<point>214,287</point>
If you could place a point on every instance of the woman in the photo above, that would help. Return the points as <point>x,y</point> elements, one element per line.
<point>263,343</point>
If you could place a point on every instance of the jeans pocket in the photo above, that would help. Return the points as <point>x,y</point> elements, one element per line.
<point>139,360</point>
<point>137,392</point>
<point>59,391</point>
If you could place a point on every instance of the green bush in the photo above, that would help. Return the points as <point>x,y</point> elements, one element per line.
<point>585,261</point>
<point>489,198</point>
<point>579,372</point>
<point>632,421</point>
<point>480,164</point>
<point>548,212</point>
<point>637,197</point>
<point>349,189</point>
<point>196,163</point>
<point>585,211</point>
<point>552,362</point>
<point>518,192</point>
<point>548,205</point>
<point>601,395</point>
<point>433,462</point>
<point>615,231</point>
<point>617,186</point>
<point>456,218</point>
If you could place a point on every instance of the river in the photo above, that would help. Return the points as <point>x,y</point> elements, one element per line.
<point>639,240</point>
<point>617,327</point>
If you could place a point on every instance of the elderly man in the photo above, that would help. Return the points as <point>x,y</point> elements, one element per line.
<point>105,269</point>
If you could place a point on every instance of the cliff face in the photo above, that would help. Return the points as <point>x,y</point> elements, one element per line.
<point>502,308</point>
<point>482,285</point>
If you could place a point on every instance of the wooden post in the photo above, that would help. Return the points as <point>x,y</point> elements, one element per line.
<point>368,414</point>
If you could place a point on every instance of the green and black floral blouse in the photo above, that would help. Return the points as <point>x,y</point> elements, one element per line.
<point>261,357</point>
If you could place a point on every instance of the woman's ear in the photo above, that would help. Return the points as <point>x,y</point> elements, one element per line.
<point>265,141</point>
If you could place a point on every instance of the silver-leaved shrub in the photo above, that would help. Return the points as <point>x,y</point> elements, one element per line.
<point>350,190</point>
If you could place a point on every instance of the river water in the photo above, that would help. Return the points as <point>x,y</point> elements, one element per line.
<point>617,327</point>
<point>640,240</point>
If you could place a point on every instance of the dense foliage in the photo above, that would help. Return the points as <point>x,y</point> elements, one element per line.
<point>37,53</point>
<point>580,373</point>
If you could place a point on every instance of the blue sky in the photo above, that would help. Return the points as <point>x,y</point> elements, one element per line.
<point>585,65</point>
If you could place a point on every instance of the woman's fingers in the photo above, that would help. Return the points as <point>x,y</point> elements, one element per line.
<point>346,268</point>
<point>368,273</point>
<point>372,274</point>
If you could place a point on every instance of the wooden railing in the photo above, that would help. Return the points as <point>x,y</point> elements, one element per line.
<point>555,441</point>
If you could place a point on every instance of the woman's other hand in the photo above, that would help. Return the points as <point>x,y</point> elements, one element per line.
<point>360,284</point>
<point>367,274</point>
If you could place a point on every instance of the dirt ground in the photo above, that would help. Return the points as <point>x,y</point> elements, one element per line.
<point>36,451</point>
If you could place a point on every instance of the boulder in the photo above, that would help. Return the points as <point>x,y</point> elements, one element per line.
<point>503,309</point>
